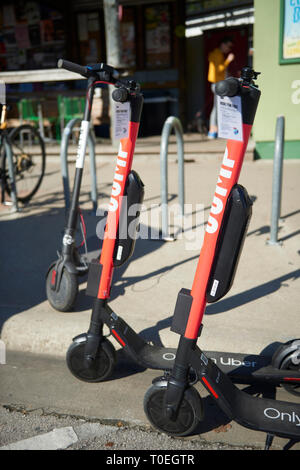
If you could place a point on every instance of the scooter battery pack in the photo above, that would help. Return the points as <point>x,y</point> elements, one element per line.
<point>230,241</point>
<point>129,219</point>
<point>94,276</point>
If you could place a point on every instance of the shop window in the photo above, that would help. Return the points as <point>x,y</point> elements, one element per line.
<point>89,36</point>
<point>157,36</point>
<point>128,37</point>
<point>32,36</point>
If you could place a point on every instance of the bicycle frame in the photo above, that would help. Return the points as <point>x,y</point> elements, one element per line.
<point>11,171</point>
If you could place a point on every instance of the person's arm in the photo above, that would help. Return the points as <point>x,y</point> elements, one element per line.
<point>223,66</point>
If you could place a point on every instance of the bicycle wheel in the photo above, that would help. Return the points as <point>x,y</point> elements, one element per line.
<point>29,159</point>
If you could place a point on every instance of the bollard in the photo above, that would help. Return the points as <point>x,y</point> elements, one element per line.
<point>277,180</point>
<point>64,164</point>
<point>170,123</point>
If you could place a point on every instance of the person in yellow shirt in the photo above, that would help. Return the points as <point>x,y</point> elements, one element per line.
<point>217,71</point>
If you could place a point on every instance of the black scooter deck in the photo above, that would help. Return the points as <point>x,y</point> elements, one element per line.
<point>156,357</point>
<point>251,368</point>
<point>241,368</point>
<point>271,416</point>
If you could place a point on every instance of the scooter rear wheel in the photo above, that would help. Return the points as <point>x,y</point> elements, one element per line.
<point>288,364</point>
<point>189,414</point>
<point>287,357</point>
<point>64,298</point>
<point>99,369</point>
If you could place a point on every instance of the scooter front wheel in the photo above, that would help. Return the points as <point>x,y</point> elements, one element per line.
<point>99,369</point>
<point>189,415</point>
<point>63,298</point>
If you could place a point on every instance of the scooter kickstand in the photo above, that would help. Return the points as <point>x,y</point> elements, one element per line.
<point>269,440</point>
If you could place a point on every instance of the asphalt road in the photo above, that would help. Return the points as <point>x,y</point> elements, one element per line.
<point>42,406</point>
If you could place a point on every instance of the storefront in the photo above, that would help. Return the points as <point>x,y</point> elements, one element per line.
<point>277,57</point>
<point>36,33</point>
<point>165,46</point>
<point>207,22</point>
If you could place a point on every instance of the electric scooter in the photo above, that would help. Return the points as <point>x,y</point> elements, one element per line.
<point>62,275</point>
<point>91,357</point>
<point>172,404</point>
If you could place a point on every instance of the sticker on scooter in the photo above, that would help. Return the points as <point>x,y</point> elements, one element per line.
<point>230,124</point>
<point>214,288</point>
<point>122,118</point>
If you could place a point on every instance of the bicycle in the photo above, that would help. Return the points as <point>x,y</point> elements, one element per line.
<point>28,155</point>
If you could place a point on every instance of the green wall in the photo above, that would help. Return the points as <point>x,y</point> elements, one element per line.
<point>279,84</point>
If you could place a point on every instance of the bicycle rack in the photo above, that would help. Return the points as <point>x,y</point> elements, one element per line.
<point>277,180</point>
<point>11,173</point>
<point>171,123</point>
<point>64,164</point>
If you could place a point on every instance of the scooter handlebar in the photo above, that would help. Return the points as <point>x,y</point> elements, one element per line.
<point>66,64</point>
<point>228,87</point>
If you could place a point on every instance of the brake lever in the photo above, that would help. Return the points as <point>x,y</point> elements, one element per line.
<point>107,73</point>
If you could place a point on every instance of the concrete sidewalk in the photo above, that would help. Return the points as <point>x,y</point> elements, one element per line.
<point>260,311</point>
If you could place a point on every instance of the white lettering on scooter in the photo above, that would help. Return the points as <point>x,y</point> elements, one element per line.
<point>273,413</point>
<point>231,361</point>
<point>68,240</point>
<point>83,137</point>
<point>218,204</point>
<point>119,177</point>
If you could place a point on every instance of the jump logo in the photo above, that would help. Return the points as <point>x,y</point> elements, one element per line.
<point>220,193</point>
<point>118,180</point>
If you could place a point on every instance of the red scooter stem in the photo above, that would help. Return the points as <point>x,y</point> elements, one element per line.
<point>123,168</point>
<point>228,177</point>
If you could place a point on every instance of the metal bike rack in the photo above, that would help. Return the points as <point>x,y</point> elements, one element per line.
<point>277,180</point>
<point>171,123</point>
<point>64,164</point>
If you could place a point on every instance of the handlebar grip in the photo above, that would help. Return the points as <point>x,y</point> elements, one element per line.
<point>228,87</point>
<point>66,64</point>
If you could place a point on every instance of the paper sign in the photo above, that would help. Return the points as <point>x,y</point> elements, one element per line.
<point>230,124</point>
<point>122,116</point>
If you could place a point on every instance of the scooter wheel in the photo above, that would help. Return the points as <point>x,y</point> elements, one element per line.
<point>287,357</point>
<point>99,369</point>
<point>288,364</point>
<point>189,415</point>
<point>64,298</point>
